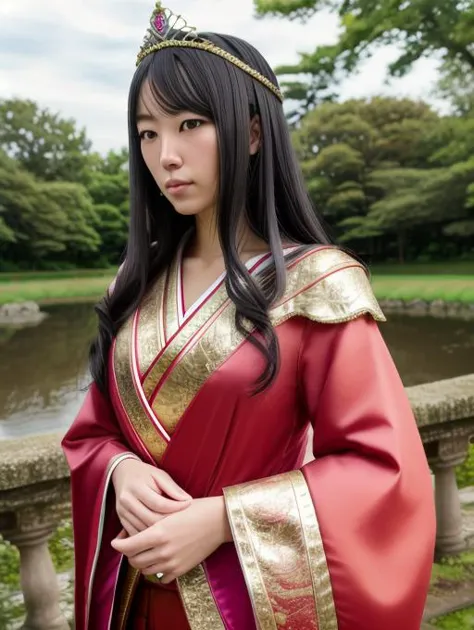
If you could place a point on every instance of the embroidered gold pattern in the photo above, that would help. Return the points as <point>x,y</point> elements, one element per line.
<point>327,286</point>
<point>149,341</point>
<point>171,309</point>
<point>199,604</point>
<point>185,335</point>
<point>267,532</point>
<point>281,553</point>
<point>150,437</point>
<point>210,349</point>
<point>322,589</point>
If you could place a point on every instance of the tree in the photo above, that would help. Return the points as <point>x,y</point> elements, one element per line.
<point>46,145</point>
<point>418,27</point>
<point>46,222</point>
<point>456,86</point>
<point>383,173</point>
<point>109,188</point>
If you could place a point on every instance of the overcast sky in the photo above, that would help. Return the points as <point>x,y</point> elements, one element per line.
<point>77,56</point>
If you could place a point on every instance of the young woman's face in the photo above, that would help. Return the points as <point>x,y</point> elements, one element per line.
<point>181,152</point>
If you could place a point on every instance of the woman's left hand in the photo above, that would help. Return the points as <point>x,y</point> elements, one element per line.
<point>180,541</point>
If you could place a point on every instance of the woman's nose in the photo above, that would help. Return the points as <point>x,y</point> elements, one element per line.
<point>170,157</point>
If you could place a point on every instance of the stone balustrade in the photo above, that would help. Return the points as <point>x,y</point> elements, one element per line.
<point>34,491</point>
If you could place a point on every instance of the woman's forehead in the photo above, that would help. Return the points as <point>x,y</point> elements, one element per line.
<point>147,104</point>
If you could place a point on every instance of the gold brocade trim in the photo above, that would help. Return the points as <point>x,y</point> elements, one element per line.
<point>127,591</point>
<point>171,300</point>
<point>150,340</point>
<point>322,589</point>
<point>201,609</point>
<point>281,553</point>
<point>122,361</point>
<point>327,286</point>
<point>212,346</point>
<point>186,334</point>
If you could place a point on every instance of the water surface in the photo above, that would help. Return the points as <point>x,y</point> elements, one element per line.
<point>43,369</point>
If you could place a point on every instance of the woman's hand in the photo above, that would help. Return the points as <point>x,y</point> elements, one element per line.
<point>139,490</point>
<point>179,542</point>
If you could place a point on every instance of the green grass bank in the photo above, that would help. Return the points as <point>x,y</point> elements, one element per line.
<point>450,282</point>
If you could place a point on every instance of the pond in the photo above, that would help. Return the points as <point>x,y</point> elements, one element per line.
<point>43,369</point>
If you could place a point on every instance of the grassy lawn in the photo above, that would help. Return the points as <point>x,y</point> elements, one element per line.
<point>54,289</point>
<point>445,577</point>
<point>455,288</point>
<point>448,282</point>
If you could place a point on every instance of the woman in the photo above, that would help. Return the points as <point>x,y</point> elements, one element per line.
<point>232,328</point>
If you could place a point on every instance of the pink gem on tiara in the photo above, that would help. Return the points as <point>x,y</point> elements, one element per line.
<point>160,22</point>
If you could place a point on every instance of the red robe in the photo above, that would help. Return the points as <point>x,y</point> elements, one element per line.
<point>343,542</point>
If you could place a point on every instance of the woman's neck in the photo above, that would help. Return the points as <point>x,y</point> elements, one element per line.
<point>206,244</point>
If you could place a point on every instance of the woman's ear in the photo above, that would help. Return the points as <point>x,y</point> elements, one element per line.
<point>255,134</point>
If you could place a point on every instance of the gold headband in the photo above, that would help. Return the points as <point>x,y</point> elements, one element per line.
<point>165,25</point>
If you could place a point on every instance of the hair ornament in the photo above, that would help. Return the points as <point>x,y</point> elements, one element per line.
<point>168,30</point>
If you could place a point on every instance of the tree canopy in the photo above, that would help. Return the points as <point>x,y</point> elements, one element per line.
<point>418,28</point>
<point>60,204</point>
<point>384,177</point>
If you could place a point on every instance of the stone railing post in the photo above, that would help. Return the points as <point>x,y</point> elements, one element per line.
<point>34,499</point>
<point>38,580</point>
<point>444,412</point>
<point>449,526</point>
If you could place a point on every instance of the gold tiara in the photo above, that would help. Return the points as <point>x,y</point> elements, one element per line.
<point>168,30</point>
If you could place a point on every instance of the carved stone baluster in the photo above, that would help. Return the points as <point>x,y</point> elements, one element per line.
<point>38,580</point>
<point>29,515</point>
<point>449,535</point>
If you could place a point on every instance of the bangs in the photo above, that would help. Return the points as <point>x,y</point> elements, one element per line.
<point>190,92</point>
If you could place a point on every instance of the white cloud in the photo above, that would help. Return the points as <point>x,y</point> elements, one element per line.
<point>78,57</point>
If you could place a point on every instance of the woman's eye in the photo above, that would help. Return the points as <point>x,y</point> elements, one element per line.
<point>188,125</point>
<point>147,135</point>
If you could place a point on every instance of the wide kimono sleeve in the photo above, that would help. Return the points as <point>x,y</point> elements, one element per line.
<point>346,542</point>
<point>94,446</point>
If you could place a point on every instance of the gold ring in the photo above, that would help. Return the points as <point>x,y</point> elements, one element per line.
<point>155,578</point>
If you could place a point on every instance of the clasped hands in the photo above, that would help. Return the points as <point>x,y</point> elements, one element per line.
<point>164,529</point>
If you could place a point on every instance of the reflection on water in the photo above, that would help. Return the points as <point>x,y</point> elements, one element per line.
<point>43,369</point>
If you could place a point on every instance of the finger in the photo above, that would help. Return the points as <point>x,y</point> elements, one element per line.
<point>137,524</point>
<point>123,533</point>
<point>129,530</point>
<point>170,487</point>
<point>146,515</point>
<point>143,541</point>
<point>160,504</point>
<point>150,557</point>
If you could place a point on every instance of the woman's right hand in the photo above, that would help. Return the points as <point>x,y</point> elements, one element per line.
<point>139,492</point>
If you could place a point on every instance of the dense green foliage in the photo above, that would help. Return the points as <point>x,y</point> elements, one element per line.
<point>61,205</point>
<point>465,472</point>
<point>391,176</point>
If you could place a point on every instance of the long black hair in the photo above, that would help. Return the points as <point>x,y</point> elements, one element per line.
<point>266,189</point>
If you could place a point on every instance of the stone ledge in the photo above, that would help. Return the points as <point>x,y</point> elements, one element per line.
<point>443,401</point>
<point>30,460</point>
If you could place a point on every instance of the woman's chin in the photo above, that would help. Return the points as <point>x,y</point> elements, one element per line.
<point>188,209</point>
